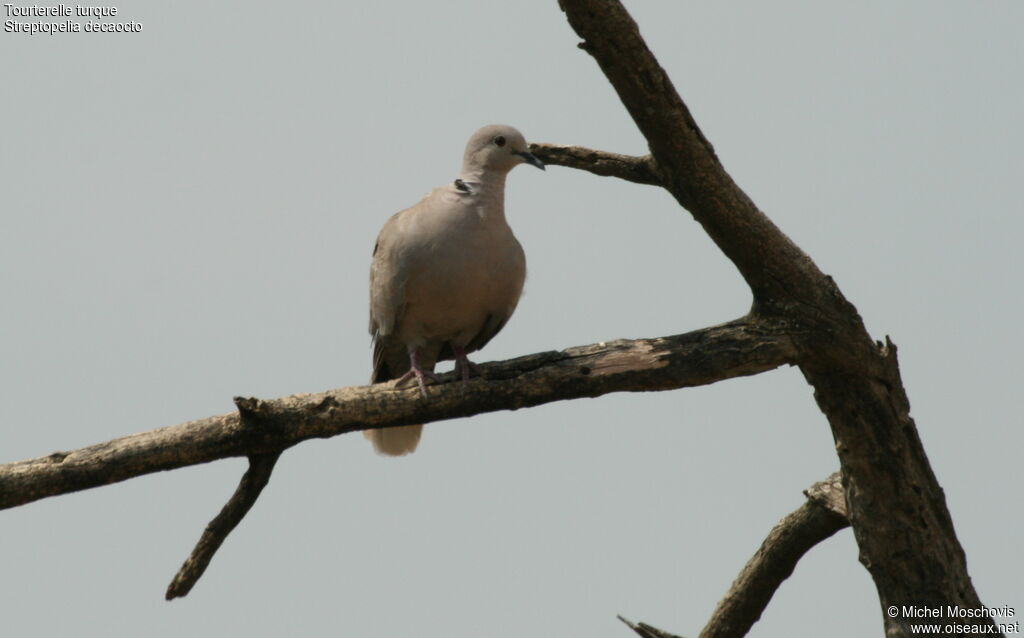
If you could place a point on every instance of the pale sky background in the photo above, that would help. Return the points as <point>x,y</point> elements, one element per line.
<point>188,214</point>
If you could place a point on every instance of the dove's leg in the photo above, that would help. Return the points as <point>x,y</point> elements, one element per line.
<point>416,371</point>
<point>463,366</point>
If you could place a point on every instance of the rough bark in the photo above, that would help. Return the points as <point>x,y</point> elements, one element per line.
<point>822,515</point>
<point>641,170</point>
<point>737,348</point>
<point>897,509</point>
<point>249,489</point>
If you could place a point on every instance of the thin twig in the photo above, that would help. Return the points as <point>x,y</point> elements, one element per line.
<point>644,630</point>
<point>640,170</point>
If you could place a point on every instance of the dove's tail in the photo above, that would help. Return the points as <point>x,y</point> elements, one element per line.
<point>391,362</point>
<point>395,441</point>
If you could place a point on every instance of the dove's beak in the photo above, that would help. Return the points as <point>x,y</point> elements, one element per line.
<point>531,159</point>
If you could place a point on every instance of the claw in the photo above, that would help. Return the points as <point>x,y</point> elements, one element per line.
<point>415,371</point>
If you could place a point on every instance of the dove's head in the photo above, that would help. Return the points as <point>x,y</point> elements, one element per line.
<point>498,148</point>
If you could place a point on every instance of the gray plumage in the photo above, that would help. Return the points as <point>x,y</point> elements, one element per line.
<point>446,274</point>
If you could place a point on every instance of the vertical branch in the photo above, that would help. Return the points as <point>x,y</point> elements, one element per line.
<point>897,508</point>
<point>688,167</point>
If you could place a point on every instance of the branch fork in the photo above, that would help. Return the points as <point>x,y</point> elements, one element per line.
<point>888,493</point>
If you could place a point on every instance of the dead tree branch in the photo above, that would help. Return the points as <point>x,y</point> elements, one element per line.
<point>641,170</point>
<point>799,316</point>
<point>897,509</point>
<point>738,348</point>
<point>821,516</point>
<point>644,630</point>
<point>249,489</point>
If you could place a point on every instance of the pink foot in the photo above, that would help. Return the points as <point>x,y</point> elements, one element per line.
<point>415,371</point>
<point>463,366</point>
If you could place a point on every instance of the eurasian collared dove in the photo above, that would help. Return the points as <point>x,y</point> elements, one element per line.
<point>446,274</point>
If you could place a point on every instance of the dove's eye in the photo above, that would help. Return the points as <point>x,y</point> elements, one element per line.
<point>500,140</point>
